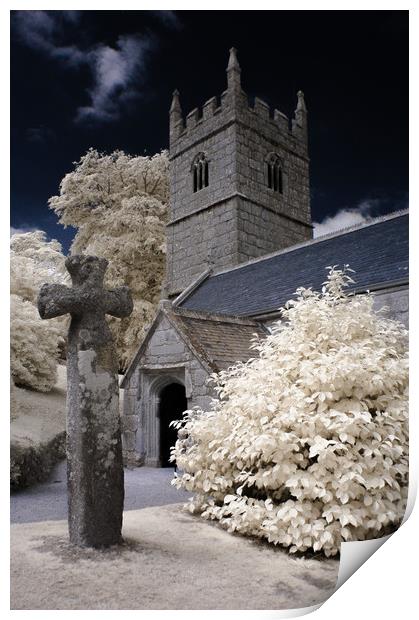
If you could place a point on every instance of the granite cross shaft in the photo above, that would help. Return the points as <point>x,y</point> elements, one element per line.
<point>95,474</point>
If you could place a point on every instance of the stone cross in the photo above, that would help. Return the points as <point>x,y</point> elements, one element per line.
<point>95,474</point>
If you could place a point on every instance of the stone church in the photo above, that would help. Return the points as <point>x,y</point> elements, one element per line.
<point>239,243</point>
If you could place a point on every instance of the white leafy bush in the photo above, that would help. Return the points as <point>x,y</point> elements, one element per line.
<point>34,343</point>
<point>306,444</point>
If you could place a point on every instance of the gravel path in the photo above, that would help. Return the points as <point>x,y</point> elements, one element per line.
<point>144,487</point>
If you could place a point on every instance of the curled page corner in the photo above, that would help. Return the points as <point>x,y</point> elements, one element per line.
<point>354,554</point>
<point>411,494</point>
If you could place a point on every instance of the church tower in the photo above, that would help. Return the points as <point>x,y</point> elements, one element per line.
<point>239,182</point>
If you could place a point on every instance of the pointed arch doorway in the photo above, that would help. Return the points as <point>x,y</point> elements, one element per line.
<point>172,404</point>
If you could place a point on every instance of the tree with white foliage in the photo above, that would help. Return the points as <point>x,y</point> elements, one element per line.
<point>35,346</point>
<point>118,203</point>
<point>34,261</point>
<point>307,443</point>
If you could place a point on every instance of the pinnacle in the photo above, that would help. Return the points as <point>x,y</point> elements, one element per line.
<point>175,101</point>
<point>301,105</point>
<point>233,63</point>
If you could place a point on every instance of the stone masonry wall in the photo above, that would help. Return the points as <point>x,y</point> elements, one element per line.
<point>204,238</point>
<point>219,149</point>
<point>396,302</point>
<point>167,349</point>
<point>256,138</point>
<point>236,139</point>
<point>165,360</point>
<point>261,231</point>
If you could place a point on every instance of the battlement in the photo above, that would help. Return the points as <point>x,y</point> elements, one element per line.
<point>213,108</point>
<point>239,181</point>
<point>232,106</point>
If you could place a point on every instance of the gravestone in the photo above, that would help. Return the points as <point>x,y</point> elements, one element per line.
<point>95,475</point>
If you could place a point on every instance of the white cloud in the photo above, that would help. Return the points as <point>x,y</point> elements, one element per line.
<point>346,217</point>
<point>168,18</point>
<point>35,28</point>
<point>115,71</point>
<point>22,230</point>
<point>42,30</point>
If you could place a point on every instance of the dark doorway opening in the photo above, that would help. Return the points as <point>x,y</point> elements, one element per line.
<point>172,404</point>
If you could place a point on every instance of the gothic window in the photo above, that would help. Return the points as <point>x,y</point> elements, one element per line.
<point>200,173</point>
<point>273,167</point>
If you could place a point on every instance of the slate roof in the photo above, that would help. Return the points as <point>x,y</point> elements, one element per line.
<point>220,341</point>
<point>378,252</point>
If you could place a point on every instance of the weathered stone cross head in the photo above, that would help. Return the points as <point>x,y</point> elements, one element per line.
<point>87,301</point>
<point>95,475</point>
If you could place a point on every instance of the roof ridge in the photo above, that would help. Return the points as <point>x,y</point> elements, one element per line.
<point>370,222</point>
<point>336,233</point>
<point>210,316</point>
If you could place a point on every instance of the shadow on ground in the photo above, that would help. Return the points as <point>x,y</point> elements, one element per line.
<point>170,560</point>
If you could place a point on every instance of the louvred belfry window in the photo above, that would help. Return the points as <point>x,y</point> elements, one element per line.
<point>273,166</point>
<point>200,172</point>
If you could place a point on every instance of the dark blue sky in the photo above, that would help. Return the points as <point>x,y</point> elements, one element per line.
<point>104,79</point>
